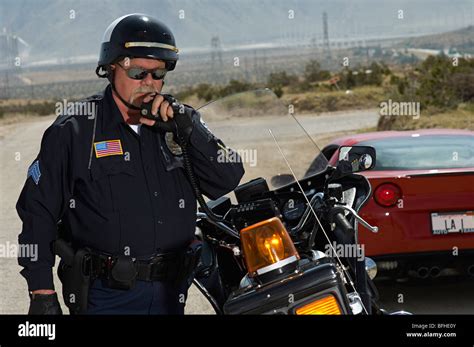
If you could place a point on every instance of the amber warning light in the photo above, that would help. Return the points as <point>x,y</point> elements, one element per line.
<point>268,248</point>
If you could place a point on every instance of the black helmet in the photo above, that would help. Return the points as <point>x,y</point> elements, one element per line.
<point>137,36</point>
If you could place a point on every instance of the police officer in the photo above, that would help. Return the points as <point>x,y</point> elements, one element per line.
<point>117,184</point>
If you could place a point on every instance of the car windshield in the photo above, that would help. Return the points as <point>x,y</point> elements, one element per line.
<point>423,152</point>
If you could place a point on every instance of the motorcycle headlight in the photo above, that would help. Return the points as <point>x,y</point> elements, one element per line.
<point>267,246</point>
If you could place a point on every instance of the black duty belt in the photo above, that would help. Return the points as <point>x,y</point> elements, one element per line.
<point>122,271</point>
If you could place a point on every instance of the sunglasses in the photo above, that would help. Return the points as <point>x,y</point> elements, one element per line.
<point>138,73</point>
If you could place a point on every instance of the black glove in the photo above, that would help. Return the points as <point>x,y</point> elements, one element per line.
<point>182,122</point>
<point>183,116</point>
<point>44,304</point>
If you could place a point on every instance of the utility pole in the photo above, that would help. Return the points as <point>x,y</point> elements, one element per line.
<point>255,66</point>
<point>216,57</point>
<point>9,53</point>
<point>216,53</point>
<point>326,46</point>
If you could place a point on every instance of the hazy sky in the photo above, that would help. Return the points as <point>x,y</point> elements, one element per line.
<point>54,28</point>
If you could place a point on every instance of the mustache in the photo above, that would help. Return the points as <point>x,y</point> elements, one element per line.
<point>142,90</point>
<point>145,89</point>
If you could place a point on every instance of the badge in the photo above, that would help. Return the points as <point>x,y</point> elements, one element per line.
<point>172,145</point>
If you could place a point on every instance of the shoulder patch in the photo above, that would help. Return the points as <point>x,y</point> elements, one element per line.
<point>34,172</point>
<point>203,123</point>
<point>95,97</point>
<point>84,108</point>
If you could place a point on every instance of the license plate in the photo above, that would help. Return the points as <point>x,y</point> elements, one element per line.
<point>452,223</point>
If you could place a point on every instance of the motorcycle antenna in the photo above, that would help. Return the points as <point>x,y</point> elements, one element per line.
<point>346,273</point>
<point>307,134</point>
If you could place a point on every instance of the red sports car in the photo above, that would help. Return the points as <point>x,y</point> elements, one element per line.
<point>422,200</point>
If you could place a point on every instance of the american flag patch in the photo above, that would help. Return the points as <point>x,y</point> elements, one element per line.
<point>106,148</point>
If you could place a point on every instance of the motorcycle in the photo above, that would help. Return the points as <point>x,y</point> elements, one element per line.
<point>284,243</point>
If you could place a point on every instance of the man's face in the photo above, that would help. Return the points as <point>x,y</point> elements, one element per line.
<point>134,91</point>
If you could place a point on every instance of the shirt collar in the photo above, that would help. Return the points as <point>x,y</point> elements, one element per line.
<point>111,116</point>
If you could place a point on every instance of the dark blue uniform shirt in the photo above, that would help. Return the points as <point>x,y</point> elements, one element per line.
<point>115,191</point>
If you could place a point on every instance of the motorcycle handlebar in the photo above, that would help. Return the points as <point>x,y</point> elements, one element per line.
<point>342,222</point>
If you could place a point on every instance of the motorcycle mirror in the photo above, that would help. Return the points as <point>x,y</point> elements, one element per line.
<point>355,159</point>
<point>281,180</point>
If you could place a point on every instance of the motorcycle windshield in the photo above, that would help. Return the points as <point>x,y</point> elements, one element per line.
<point>266,135</point>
